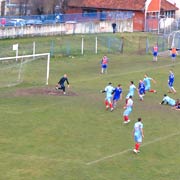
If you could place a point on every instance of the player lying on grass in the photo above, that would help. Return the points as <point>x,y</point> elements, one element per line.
<point>177,105</point>
<point>169,101</point>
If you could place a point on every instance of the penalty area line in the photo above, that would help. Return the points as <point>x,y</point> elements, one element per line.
<point>128,150</point>
<point>130,72</point>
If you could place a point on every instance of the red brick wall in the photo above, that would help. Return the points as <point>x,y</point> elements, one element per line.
<point>138,21</point>
<point>73,10</point>
<point>152,24</point>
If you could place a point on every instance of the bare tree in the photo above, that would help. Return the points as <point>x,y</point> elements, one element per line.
<point>37,7</point>
<point>23,7</point>
<point>48,6</point>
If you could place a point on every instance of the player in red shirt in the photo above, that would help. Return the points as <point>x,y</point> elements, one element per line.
<point>104,64</point>
<point>155,52</point>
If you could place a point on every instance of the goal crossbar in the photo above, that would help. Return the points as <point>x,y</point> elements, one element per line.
<point>33,55</point>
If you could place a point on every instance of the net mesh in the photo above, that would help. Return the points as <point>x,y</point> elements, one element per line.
<point>29,70</point>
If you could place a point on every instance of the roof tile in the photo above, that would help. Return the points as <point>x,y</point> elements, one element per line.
<point>117,4</point>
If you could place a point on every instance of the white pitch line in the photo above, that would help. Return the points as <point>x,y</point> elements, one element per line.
<point>130,72</point>
<point>127,150</point>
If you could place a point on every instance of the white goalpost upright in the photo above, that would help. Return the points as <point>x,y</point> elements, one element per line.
<point>173,39</point>
<point>10,64</point>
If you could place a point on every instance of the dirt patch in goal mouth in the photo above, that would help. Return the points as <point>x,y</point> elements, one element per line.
<point>50,91</point>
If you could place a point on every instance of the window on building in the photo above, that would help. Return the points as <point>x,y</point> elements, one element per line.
<point>89,13</point>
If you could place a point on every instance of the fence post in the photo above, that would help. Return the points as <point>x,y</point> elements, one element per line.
<point>96,45</point>
<point>16,48</point>
<point>147,45</point>
<point>34,48</point>
<point>109,44</point>
<point>52,48</point>
<point>178,42</point>
<point>68,49</point>
<point>82,46</point>
<point>122,45</point>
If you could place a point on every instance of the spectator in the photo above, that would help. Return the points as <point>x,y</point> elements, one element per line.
<point>114,27</point>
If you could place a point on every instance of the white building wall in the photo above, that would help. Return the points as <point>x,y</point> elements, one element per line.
<point>177,16</point>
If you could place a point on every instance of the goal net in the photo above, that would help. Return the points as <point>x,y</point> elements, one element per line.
<point>29,69</point>
<point>174,39</point>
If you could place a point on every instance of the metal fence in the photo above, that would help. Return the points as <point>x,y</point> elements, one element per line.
<point>162,25</point>
<point>90,23</point>
<point>77,17</point>
<point>77,45</point>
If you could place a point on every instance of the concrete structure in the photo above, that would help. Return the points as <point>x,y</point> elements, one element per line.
<point>146,13</point>
<point>2,7</point>
<point>177,4</point>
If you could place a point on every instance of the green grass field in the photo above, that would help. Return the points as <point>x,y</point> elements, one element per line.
<point>46,137</point>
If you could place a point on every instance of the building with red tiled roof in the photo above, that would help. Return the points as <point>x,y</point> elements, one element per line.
<point>108,4</point>
<point>143,17</point>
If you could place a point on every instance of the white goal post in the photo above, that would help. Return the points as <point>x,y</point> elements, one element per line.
<point>32,57</point>
<point>173,39</point>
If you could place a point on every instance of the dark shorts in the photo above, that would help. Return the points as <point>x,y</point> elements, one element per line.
<point>142,91</point>
<point>104,66</point>
<point>116,98</point>
<point>173,55</point>
<point>155,54</point>
<point>170,84</point>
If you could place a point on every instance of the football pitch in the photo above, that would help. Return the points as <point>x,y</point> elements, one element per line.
<point>45,135</point>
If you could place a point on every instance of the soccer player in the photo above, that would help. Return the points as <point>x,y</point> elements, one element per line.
<point>141,90</point>
<point>171,82</point>
<point>168,100</point>
<point>61,82</point>
<point>138,134</point>
<point>104,64</point>
<point>117,95</point>
<point>147,81</point>
<point>177,105</point>
<point>132,89</point>
<point>177,108</point>
<point>128,109</point>
<point>173,53</point>
<point>114,27</point>
<point>109,94</point>
<point>155,52</point>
